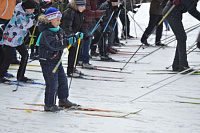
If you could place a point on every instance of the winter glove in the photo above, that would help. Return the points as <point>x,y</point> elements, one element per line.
<point>176,2</point>
<point>79,34</point>
<point>71,39</point>
<point>198,45</point>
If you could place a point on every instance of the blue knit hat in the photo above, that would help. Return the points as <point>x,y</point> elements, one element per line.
<point>53,13</point>
<point>80,2</point>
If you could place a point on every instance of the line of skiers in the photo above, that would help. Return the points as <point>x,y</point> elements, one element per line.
<point>61,30</point>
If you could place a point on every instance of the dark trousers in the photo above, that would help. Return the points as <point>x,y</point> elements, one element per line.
<point>56,84</point>
<point>71,58</point>
<point>8,57</point>
<point>99,39</point>
<point>175,21</point>
<point>153,21</point>
<point>1,55</point>
<point>124,17</point>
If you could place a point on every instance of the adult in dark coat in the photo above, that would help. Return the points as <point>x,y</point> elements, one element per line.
<point>180,62</point>
<point>72,22</point>
<point>155,17</point>
<point>130,6</point>
<point>90,13</point>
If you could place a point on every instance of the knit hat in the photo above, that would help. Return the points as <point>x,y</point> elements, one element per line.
<point>53,13</point>
<point>114,0</point>
<point>29,4</point>
<point>47,1</point>
<point>80,2</point>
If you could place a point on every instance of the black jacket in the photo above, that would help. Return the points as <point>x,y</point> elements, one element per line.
<point>72,21</point>
<point>109,10</point>
<point>185,6</point>
<point>51,44</point>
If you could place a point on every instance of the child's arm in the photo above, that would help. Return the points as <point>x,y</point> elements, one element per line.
<point>52,43</point>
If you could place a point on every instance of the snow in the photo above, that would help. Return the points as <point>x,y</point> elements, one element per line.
<point>160,111</point>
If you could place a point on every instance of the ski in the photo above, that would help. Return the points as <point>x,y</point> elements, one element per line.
<point>158,73</point>
<point>188,97</point>
<point>80,108</point>
<point>126,53</point>
<point>121,61</point>
<point>31,65</point>
<point>109,115</point>
<point>98,69</point>
<point>197,103</point>
<point>30,82</point>
<point>12,83</point>
<point>98,79</point>
<point>98,76</point>
<point>108,67</point>
<point>29,110</point>
<point>108,70</point>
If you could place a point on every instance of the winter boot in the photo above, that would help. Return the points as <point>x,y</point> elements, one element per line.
<point>25,79</point>
<point>66,103</point>
<point>4,80</point>
<point>53,108</point>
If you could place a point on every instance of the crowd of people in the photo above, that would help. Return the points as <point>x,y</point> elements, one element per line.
<point>81,26</point>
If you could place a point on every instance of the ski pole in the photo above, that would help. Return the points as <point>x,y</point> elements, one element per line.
<point>59,62</point>
<point>131,58</point>
<point>136,22</point>
<point>104,30</point>
<point>160,22</point>
<point>169,77</point>
<point>97,25</point>
<point>20,76</point>
<point>74,67</point>
<point>164,46</point>
<point>108,22</point>
<point>188,52</point>
<point>22,67</point>
<point>165,85</point>
<point>32,36</point>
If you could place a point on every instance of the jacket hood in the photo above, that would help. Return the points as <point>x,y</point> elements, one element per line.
<point>18,8</point>
<point>44,26</point>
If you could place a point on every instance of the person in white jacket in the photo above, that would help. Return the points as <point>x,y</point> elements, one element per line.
<point>13,36</point>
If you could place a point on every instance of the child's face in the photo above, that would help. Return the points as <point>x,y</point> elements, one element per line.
<point>55,22</point>
<point>81,8</point>
<point>30,11</point>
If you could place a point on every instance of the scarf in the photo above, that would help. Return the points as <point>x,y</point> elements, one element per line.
<point>51,29</point>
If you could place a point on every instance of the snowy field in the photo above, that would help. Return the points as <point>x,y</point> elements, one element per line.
<point>161,113</point>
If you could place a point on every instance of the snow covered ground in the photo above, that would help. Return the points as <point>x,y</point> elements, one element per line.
<point>160,111</point>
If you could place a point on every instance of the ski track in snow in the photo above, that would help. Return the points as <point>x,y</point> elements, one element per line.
<point>160,113</point>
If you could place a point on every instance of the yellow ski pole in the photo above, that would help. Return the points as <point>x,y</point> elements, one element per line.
<point>58,64</point>
<point>32,37</point>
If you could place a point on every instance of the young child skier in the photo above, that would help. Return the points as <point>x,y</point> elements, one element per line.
<point>13,36</point>
<point>52,41</point>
